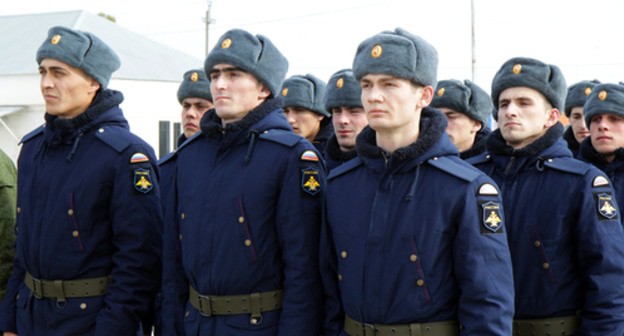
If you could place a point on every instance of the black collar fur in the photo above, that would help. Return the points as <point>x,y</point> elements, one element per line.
<point>497,145</point>
<point>211,124</point>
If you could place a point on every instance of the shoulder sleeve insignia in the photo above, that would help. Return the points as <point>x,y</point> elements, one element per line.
<point>487,189</point>
<point>491,218</point>
<point>309,181</point>
<point>600,181</point>
<point>309,155</point>
<point>143,180</point>
<point>605,205</point>
<point>139,157</point>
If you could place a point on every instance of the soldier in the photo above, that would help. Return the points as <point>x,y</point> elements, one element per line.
<point>342,99</point>
<point>604,113</point>
<point>420,246</point>
<point>304,109</point>
<point>467,108</point>
<point>575,99</point>
<point>249,246</point>
<point>563,224</point>
<point>89,221</point>
<point>195,97</point>
<point>8,180</point>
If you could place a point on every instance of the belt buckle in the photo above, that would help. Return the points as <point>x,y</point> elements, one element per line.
<point>37,288</point>
<point>369,329</point>
<point>205,307</point>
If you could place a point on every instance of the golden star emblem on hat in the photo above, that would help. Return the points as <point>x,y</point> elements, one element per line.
<point>55,39</point>
<point>376,51</point>
<point>602,95</point>
<point>284,92</point>
<point>516,69</point>
<point>340,83</point>
<point>587,91</point>
<point>441,92</point>
<point>194,77</point>
<point>226,43</point>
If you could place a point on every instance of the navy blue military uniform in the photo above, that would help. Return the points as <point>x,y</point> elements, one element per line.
<point>247,207</point>
<point>564,231</point>
<point>421,240</point>
<point>334,156</point>
<point>614,169</point>
<point>479,144</point>
<point>88,207</point>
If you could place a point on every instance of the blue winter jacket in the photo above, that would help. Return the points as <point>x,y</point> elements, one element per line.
<point>415,236</point>
<point>88,206</point>
<point>247,206</point>
<point>564,232</point>
<point>614,170</point>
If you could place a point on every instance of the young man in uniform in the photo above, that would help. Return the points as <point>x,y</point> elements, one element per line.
<point>246,204</point>
<point>562,220</point>
<point>343,100</point>
<point>467,108</point>
<point>195,97</point>
<point>575,100</point>
<point>604,113</point>
<point>304,109</point>
<point>88,248</point>
<point>414,240</point>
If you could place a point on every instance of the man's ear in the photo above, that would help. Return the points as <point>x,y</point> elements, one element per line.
<point>94,86</point>
<point>427,96</point>
<point>553,117</point>
<point>264,92</point>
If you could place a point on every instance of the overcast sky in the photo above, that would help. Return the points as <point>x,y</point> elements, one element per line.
<point>584,38</point>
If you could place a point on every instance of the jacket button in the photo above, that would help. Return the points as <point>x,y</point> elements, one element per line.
<point>83,306</point>
<point>241,219</point>
<point>545,265</point>
<point>339,277</point>
<point>19,209</point>
<point>247,242</point>
<point>180,237</point>
<point>75,233</point>
<point>420,282</point>
<point>413,258</point>
<point>183,215</point>
<point>343,254</point>
<point>537,243</point>
<point>101,130</point>
<point>253,321</point>
<point>70,212</point>
<point>186,313</point>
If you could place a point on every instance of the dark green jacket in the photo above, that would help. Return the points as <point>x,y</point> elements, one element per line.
<point>8,181</point>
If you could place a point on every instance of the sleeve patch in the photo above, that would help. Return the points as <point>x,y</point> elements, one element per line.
<point>491,218</point>
<point>138,157</point>
<point>600,181</point>
<point>309,181</point>
<point>309,155</point>
<point>605,206</point>
<point>142,180</point>
<point>488,189</point>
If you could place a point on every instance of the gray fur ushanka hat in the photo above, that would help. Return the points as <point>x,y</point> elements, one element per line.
<point>343,90</point>
<point>194,84</point>
<point>305,91</point>
<point>81,50</point>
<point>464,97</point>
<point>528,72</point>
<point>577,95</point>
<point>398,53</point>
<point>254,54</point>
<point>604,99</point>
